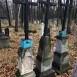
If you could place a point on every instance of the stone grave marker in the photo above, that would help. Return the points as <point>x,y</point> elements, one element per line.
<point>25,52</point>
<point>44,58</point>
<point>61,58</point>
<point>4,40</point>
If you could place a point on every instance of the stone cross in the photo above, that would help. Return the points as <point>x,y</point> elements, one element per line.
<point>44,58</point>
<point>25,52</point>
<point>61,58</point>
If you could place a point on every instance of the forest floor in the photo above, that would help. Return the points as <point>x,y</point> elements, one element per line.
<point>9,56</point>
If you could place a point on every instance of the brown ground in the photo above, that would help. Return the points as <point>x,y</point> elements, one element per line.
<point>9,57</point>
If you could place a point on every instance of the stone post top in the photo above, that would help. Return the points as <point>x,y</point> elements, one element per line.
<point>45,37</point>
<point>26,40</point>
<point>62,37</point>
<point>2,37</point>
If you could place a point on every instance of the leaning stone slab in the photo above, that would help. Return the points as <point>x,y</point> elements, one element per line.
<point>4,41</point>
<point>44,59</point>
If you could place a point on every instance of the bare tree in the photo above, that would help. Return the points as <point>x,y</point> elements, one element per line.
<point>21,16</point>
<point>16,17</point>
<point>69,17</point>
<point>8,15</point>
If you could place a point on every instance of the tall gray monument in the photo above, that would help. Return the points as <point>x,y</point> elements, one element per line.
<point>44,57</point>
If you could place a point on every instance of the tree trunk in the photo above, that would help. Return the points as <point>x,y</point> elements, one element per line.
<point>21,16</point>
<point>76,15</point>
<point>8,15</point>
<point>69,17</point>
<point>16,18</point>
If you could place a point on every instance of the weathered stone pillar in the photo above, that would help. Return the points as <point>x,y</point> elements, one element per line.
<point>26,59</point>
<point>44,59</point>
<point>60,61</point>
<point>4,41</point>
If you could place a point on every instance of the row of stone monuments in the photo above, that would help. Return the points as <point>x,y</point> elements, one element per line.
<point>44,67</point>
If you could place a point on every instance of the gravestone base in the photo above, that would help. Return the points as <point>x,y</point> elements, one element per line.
<point>61,58</point>
<point>58,64</point>
<point>26,62</point>
<point>48,73</point>
<point>44,59</point>
<point>30,74</point>
<point>4,41</point>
